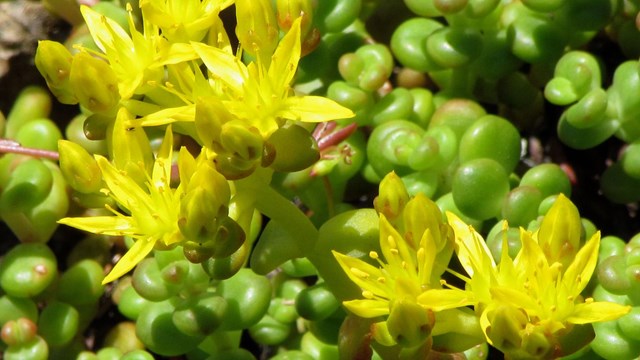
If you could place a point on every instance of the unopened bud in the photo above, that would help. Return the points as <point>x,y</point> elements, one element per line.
<point>392,198</point>
<point>409,323</point>
<point>53,61</point>
<point>242,141</point>
<point>295,149</point>
<point>257,28</point>
<point>94,83</point>
<point>79,168</point>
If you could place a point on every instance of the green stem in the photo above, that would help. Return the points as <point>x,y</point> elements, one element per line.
<point>278,208</point>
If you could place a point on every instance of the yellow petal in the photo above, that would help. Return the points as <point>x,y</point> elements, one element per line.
<point>577,275</point>
<point>105,32</point>
<point>516,299</point>
<point>472,250</point>
<point>122,188</point>
<point>129,147</point>
<point>401,260</point>
<point>223,66</point>
<point>362,274</point>
<point>169,115</point>
<point>367,308</point>
<point>162,167</point>
<point>531,261</point>
<point>140,249</point>
<point>106,225</point>
<point>284,61</point>
<point>444,299</point>
<point>589,312</point>
<point>313,109</point>
<point>175,53</point>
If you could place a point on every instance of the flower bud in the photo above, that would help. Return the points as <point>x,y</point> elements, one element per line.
<point>392,198</point>
<point>506,327</point>
<point>79,168</point>
<point>210,115</point>
<point>288,11</point>
<point>53,60</point>
<point>94,83</point>
<point>559,234</point>
<point>257,28</point>
<point>295,149</point>
<point>409,323</point>
<point>243,141</point>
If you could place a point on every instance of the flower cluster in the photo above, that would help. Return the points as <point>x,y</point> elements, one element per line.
<point>529,307</point>
<point>405,288</point>
<point>180,72</point>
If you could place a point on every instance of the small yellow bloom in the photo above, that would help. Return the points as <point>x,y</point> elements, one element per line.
<point>138,59</point>
<point>409,271</point>
<point>184,20</point>
<point>150,214</point>
<point>528,303</point>
<point>262,95</point>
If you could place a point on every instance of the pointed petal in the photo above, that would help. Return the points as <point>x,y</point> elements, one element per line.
<point>169,115</point>
<point>367,308</point>
<point>106,225</point>
<point>589,312</point>
<point>103,29</point>
<point>426,256</point>
<point>140,249</point>
<point>365,276</point>
<point>395,250</point>
<point>161,176</point>
<point>559,234</point>
<point>175,53</point>
<point>223,66</point>
<point>443,299</point>
<point>531,260</point>
<point>284,61</point>
<point>473,253</point>
<point>515,298</point>
<point>313,109</point>
<point>577,275</point>
<point>121,187</point>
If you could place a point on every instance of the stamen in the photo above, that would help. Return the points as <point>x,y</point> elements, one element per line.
<point>392,243</point>
<point>382,280</point>
<point>373,255</point>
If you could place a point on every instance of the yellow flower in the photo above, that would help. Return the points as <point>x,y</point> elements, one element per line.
<point>527,304</point>
<point>408,272</point>
<point>184,20</point>
<point>137,59</point>
<point>150,213</point>
<point>261,96</point>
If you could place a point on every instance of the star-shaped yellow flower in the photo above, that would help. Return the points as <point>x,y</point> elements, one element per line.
<point>138,59</point>
<point>528,303</point>
<point>185,20</point>
<point>407,277</point>
<point>150,214</point>
<point>260,95</point>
